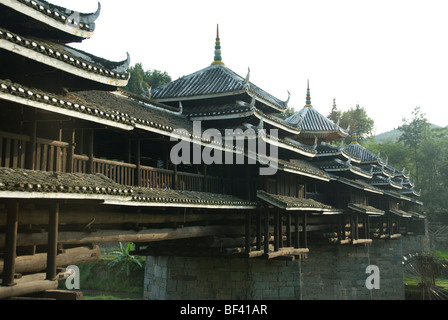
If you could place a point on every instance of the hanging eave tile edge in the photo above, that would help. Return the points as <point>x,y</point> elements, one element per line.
<point>40,16</point>
<point>61,65</point>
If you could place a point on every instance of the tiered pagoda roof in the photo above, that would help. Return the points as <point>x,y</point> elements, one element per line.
<point>41,19</point>
<point>40,32</point>
<point>313,124</point>
<point>218,81</point>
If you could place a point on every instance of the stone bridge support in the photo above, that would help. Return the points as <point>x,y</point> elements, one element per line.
<point>331,272</point>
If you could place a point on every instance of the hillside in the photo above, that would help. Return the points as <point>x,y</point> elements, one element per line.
<point>393,135</point>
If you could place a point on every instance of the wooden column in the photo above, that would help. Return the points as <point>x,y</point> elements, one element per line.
<point>91,146</point>
<point>52,253</point>
<point>280,229</point>
<point>138,175</point>
<point>258,230</point>
<point>297,232</point>
<point>71,151</point>
<point>175,178</point>
<point>276,230</point>
<point>266,231</point>
<point>12,217</point>
<point>304,231</point>
<point>247,236</point>
<point>288,230</point>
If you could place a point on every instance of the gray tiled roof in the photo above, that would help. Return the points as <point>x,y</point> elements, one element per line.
<point>65,55</point>
<point>212,81</point>
<point>41,182</point>
<point>310,121</point>
<point>64,15</point>
<point>293,203</point>
<point>171,197</point>
<point>366,156</point>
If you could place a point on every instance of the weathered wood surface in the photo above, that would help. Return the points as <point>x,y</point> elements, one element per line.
<point>40,217</point>
<point>28,284</point>
<point>38,262</point>
<point>146,235</point>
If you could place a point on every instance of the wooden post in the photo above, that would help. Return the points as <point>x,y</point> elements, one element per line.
<point>304,231</point>
<point>288,230</point>
<point>90,167</point>
<point>266,230</point>
<point>10,243</point>
<point>175,178</point>
<point>297,232</point>
<point>258,230</point>
<point>280,229</point>
<point>276,230</point>
<point>53,222</point>
<point>138,173</point>
<point>71,151</point>
<point>247,237</point>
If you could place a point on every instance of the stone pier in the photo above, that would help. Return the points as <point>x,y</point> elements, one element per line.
<point>331,272</point>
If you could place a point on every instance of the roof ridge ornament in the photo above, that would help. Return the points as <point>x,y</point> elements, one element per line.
<point>308,96</point>
<point>246,81</point>
<point>218,57</point>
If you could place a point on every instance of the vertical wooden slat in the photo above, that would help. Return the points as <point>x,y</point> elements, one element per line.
<point>44,165</point>
<point>15,154</point>
<point>38,156</point>
<point>8,152</point>
<point>51,155</point>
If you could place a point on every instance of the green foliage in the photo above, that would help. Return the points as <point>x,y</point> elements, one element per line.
<point>124,260</point>
<point>424,151</point>
<point>358,120</point>
<point>141,80</point>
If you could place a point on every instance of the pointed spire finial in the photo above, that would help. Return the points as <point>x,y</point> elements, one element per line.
<point>218,57</point>
<point>308,96</point>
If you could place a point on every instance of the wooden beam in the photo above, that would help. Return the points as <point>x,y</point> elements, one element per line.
<point>28,284</point>
<point>10,244</point>
<point>82,216</point>
<point>53,226</point>
<point>38,262</point>
<point>286,252</point>
<point>145,235</point>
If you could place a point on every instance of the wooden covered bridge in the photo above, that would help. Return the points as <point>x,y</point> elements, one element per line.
<point>83,162</point>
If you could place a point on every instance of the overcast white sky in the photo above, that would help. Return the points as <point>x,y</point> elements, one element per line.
<point>388,56</point>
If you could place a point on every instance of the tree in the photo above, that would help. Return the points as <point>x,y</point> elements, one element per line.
<point>141,81</point>
<point>359,122</point>
<point>415,132</point>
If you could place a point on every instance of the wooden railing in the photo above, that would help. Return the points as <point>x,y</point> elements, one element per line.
<point>125,173</point>
<point>49,155</point>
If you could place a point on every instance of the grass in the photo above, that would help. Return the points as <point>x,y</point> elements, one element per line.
<point>105,280</point>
